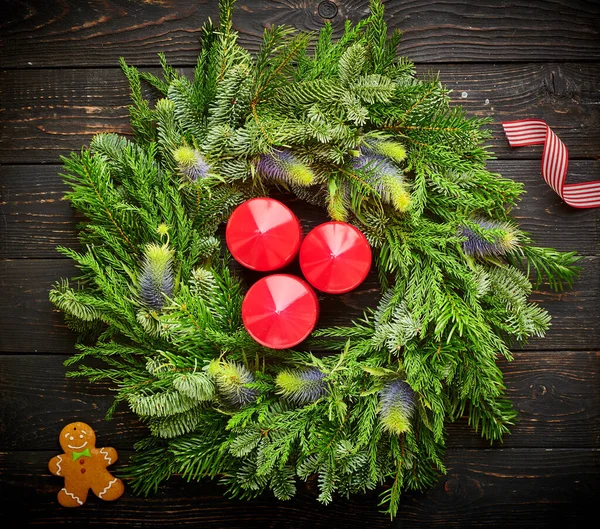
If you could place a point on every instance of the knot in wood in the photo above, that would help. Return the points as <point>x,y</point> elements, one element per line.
<point>327,9</point>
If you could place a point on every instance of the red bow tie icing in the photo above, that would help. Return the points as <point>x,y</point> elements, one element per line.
<point>555,160</point>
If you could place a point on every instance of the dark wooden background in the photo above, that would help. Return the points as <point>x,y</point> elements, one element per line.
<point>60,84</point>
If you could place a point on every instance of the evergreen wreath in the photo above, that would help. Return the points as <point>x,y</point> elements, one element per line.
<point>349,127</point>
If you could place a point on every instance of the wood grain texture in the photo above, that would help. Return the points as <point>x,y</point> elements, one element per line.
<point>497,488</point>
<point>31,324</point>
<point>555,394</point>
<point>38,33</point>
<point>557,398</point>
<point>36,218</point>
<point>48,113</point>
<point>60,85</point>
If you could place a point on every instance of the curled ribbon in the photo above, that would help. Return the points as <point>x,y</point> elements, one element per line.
<point>555,160</point>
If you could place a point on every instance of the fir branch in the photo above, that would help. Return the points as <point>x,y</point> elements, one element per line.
<point>349,128</point>
<point>86,163</point>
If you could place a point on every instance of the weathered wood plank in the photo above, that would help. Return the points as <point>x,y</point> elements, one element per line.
<point>555,394</point>
<point>31,324</point>
<point>37,33</point>
<point>566,96</point>
<point>38,398</point>
<point>543,214</point>
<point>36,218</point>
<point>581,317</point>
<point>507,488</point>
<point>48,113</point>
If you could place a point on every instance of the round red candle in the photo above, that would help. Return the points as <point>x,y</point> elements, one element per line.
<point>335,257</point>
<point>263,234</point>
<point>280,310</point>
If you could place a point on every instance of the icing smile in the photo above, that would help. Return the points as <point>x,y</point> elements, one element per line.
<point>77,447</point>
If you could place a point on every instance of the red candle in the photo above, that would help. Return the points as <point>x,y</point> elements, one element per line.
<point>279,311</point>
<point>263,234</point>
<point>335,257</point>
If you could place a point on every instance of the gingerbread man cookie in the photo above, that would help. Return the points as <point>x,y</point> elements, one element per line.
<point>84,467</point>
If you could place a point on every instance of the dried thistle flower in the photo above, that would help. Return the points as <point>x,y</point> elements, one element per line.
<point>302,386</point>
<point>390,149</point>
<point>477,246</point>
<point>191,163</point>
<point>231,379</point>
<point>385,177</point>
<point>283,166</point>
<point>156,277</point>
<point>396,406</point>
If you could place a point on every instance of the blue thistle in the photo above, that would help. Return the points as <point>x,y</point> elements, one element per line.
<point>383,175</point>
<point>477,246</point>
<point>396,406</point>
<point>191,163</point>
<point>338,200</point>
<point>390,149</point>
<point>376,166</point>
<point>283,166</point>
<point>302,386</point>
<point>156,277</point>
<point>231,379</point>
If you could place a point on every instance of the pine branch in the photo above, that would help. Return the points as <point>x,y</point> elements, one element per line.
<point>351,129</point>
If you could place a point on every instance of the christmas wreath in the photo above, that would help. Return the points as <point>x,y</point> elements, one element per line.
<point>347,126</point>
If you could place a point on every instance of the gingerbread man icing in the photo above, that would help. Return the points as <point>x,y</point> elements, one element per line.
<point>84,467</point>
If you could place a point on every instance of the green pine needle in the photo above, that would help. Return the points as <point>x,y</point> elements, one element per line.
<point>159,303</point>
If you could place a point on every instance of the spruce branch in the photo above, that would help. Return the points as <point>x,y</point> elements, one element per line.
<point>349,128</point>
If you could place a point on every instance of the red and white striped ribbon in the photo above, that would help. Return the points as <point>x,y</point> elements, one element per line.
<point>555,160</point>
